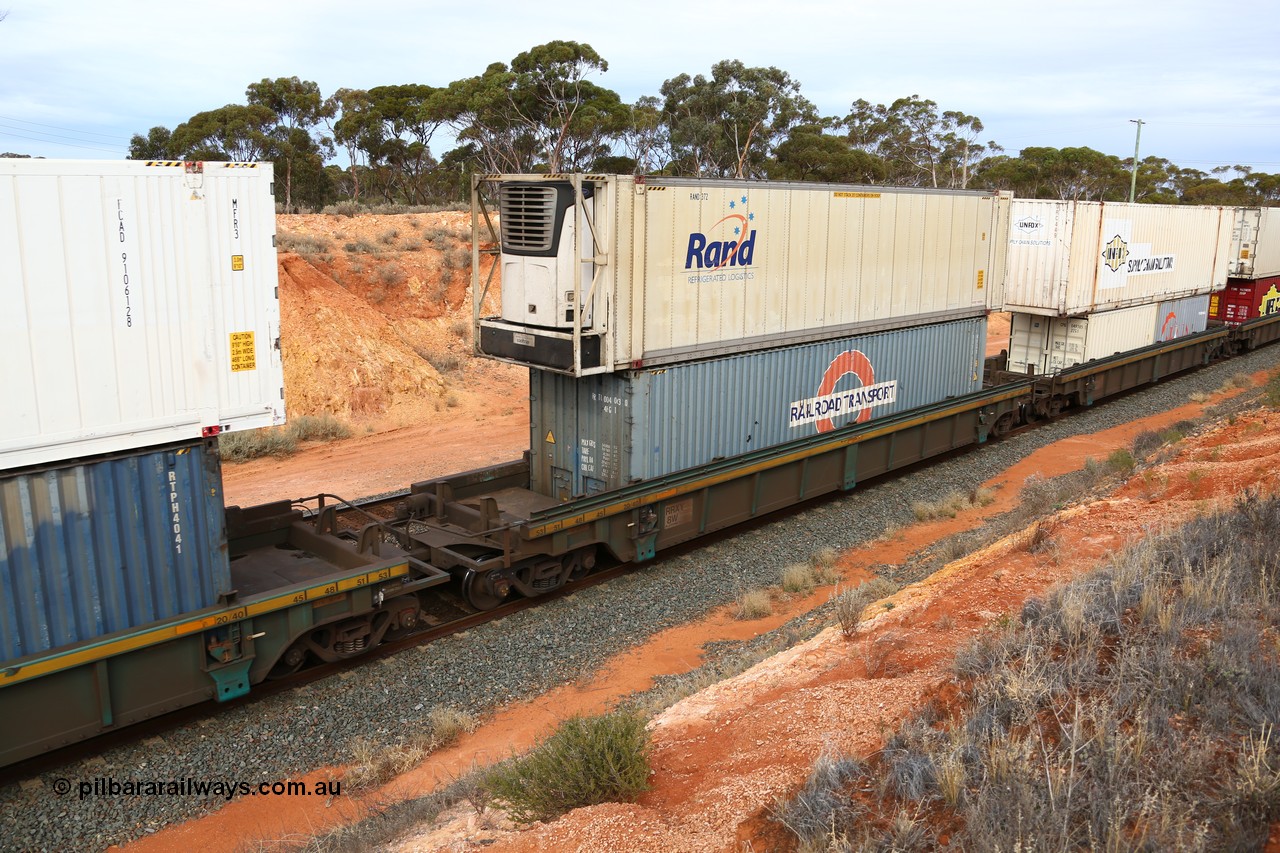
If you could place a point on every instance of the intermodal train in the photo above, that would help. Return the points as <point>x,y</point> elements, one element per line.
<point>701,353</point>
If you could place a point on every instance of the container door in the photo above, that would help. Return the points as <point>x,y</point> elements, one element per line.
<point>1068,337</point>
<point>1244,241</point>
<point>1028,342</point>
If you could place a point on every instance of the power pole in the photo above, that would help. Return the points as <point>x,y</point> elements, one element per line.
<point>1133,183</point>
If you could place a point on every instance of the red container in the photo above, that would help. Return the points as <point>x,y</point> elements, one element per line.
<point>1245,299</point>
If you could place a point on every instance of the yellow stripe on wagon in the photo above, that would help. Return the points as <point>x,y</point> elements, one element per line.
<point>110,648</point>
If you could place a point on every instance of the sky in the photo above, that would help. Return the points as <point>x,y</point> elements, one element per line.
<point>79,78</point>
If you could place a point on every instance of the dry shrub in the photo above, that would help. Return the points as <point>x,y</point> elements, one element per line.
<point>826,568</point>
<point>307,245</point>
<point>1133,708</point>
<point>1237,380</point>
<point>374,763</point>
<point>818,812</point>
<point>952,504</point>
<point>876,653</point>
<point>391,274</point>
<point>440,237</point>
<point>448,724</point>
<point>798,578</point>
<point>1271,392</point>
<point>256,443</point>
<point>850,603</point>
<point>753,604</point>
<point>318,428</point>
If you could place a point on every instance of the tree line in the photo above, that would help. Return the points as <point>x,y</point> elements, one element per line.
<point>543,113</point>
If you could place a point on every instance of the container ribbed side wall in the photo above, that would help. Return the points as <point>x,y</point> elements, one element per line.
<point>1181,317</point>
<point>109,545</point>
<point>140,306</point>
<point>601,432</point>
<point>1075,258</point>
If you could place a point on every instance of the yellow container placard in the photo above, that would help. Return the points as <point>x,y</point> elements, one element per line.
<point>243,354</point>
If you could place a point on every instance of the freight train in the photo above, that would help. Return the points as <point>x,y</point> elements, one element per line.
<point>701,353</point>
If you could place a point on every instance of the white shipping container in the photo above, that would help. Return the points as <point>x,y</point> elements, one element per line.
<point>670,270</point>
<point>1070,258</point>
<point>140,305</point>
<point>1050,344</point>
<point>1255,243</point>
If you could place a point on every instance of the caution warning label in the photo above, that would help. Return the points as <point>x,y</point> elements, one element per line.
<point>243,355</point>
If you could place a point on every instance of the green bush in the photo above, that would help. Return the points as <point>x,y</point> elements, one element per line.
<point>1271,394</point>
<point>1121,461</point>
<point>589,760</point>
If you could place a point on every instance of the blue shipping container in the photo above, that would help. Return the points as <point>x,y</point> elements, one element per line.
<point>603,431</point>
<point>102,546</point>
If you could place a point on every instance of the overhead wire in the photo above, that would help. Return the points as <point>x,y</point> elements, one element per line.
<point>4,133</point>
<point>107,136</point>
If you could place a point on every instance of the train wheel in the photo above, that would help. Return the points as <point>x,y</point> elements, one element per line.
<point>290,662</point>
<point>476,592</point>
<point>1003,425</point>
<point>580,563</point>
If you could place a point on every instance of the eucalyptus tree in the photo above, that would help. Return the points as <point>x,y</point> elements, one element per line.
<point>399,146</point>
<point>541,112</point>
<point>730,124</point>
<point>236,132</point>
<point>355,125</point>
<point>298,108</point>
<point>810,153</point>
<point>918,145</point>
<point>156,145</point>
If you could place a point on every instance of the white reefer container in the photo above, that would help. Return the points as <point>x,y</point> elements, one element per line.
<point>140,305</point>
<point>1070,258</point>
<point>605,273</point>
<point>1255,243</point>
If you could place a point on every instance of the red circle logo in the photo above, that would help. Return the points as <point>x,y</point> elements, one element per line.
<point>846,363</point>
